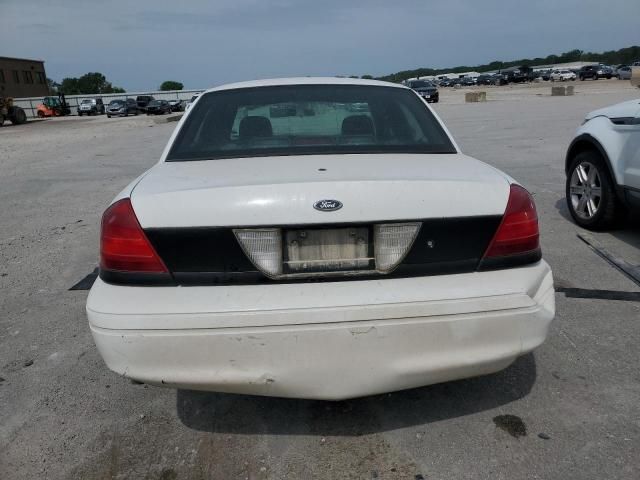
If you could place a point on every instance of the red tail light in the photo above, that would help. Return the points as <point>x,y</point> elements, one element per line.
<point>123,244</point>
<point>518,232</point>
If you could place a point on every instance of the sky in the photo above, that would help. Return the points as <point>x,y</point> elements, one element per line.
<point>138,44</point>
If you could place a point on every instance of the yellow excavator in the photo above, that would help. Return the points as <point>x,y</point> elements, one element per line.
<point>9,111</point>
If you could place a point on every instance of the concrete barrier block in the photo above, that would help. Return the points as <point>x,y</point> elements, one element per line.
<point>558,91</point>
<point>569,90</point>
<point>473,97</point>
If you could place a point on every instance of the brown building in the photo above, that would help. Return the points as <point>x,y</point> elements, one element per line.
<point>21,77</point>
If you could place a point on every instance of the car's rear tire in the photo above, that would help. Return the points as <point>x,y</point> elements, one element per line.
<point>590,193</point>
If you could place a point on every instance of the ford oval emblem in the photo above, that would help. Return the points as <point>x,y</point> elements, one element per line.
<point>327,205</point>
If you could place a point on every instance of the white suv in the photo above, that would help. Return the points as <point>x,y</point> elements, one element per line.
<point>603,166</point>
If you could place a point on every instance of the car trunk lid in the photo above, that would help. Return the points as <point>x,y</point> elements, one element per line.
<point>280,191</point>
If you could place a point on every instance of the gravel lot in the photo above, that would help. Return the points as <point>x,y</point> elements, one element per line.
<point>570,410</point>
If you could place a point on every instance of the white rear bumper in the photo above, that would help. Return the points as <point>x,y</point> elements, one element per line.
<point>329,340</point>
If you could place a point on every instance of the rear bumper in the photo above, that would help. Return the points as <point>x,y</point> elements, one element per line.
<point>348,339</point>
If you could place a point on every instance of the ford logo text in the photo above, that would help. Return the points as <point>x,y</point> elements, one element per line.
<point>327,205</point>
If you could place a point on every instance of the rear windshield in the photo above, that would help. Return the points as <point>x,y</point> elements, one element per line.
<point>307,120</point>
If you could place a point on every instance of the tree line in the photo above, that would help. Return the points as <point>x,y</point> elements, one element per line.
<point>93,83</point>
<point>625,56</point>
<point>87,84</point>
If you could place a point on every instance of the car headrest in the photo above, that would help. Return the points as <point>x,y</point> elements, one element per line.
<point>255,126</point>
<point>357,125</point>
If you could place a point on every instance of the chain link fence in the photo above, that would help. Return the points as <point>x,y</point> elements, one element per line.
<point>30,105</point>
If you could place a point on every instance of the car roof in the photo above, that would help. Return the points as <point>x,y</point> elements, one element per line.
<point>272,82</point>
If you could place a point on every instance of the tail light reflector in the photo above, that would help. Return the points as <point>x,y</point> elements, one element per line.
<point>263,247</point>
<point>392,241</point>
<point>518,232</point>
<point>123,245</point>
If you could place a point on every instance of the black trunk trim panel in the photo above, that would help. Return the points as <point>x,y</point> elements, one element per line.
<point>212,255</point>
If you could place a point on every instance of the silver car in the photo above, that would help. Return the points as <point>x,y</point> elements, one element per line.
<point>91,106</point>
<point>624,73</point>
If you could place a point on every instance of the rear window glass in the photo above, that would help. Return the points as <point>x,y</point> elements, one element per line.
<point>306,120</point>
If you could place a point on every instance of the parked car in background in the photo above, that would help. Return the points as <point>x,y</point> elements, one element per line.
<point>562,75</point>
<point>624,73</point>
<point>122,108</point>
<point>91,106</point>
<point>176,105</point>
<point>237,264</point>
<point>468,81</point>
<point>588,71</point>
<point>603,166</point>
<point>446,82</point>
<point>517,74</point>
<point>485,79</point>
<point>425,89</point>
<point>158,107</point>
<point>605,71</point>
<point>142,101</point>
<point>545,74</point>
<point>499,79</point>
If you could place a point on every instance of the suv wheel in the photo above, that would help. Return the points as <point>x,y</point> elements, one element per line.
<point>590,193</point>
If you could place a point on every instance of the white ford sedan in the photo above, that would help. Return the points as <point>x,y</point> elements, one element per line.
<point>317,238</point>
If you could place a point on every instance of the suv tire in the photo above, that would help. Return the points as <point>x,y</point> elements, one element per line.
<point>606,209</point>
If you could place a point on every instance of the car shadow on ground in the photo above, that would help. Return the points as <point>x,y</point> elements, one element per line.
<point>563,209</point>
<point>631,233</point>
<point>245,414</point>
<point>628,231</point>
